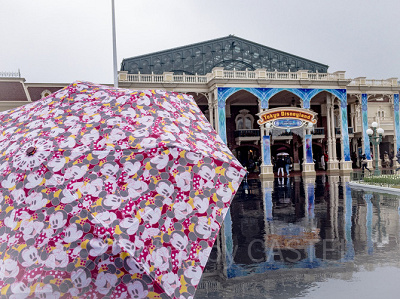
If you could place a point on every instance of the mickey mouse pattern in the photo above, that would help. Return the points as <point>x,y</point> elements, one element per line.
<point>110,193</point>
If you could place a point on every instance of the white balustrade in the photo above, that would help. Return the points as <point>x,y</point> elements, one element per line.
<point>373,82</point>
<point>251,75</point>
<point>10,74</point>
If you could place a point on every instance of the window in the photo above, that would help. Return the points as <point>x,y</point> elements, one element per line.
<point>247,123</point>
<point>380,113</point>
<point>244,120</point>
<point>239,124</point>
<point>45,93</point>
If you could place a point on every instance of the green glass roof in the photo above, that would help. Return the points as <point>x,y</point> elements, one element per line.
<point>229,52</point>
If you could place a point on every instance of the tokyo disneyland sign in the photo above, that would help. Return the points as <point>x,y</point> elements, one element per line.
<point>288,118</point>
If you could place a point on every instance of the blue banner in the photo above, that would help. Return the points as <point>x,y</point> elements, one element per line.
<point>267,150</point>
<point>308,139</point>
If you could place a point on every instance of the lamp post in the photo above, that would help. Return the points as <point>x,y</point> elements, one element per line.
<point>375,137</point>
<point>114,46</point>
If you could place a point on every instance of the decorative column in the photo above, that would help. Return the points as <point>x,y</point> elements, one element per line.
<point>215,110</point>
<point>211,108</point>
<point>365,138</point>
<point>345,162</point>
<point>308,162</point>
<point>328,129</point>
<point>267,169</point>
<point>334,155</point>
<point>222,119</point>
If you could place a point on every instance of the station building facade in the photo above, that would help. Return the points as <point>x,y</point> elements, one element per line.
<point>238,84</point>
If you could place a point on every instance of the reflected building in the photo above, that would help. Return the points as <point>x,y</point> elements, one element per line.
<point>355,230</point>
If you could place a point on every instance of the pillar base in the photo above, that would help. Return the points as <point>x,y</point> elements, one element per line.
<point>309,169</point>
<point>333,167</point>
<point>267,184</point>
<point>267,172</point>
<point>345,167</point>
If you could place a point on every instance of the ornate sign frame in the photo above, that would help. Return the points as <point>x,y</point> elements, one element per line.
<point>287,117</point>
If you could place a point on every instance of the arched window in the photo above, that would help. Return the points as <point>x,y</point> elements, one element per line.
<point>248,124</point>
<point>239,124</point>
<point>244,120</point>
<point>380,113</point>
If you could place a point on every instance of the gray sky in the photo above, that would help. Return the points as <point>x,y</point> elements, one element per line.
<point>66,40</point>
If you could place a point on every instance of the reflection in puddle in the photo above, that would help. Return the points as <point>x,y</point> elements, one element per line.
<point>294,237</point>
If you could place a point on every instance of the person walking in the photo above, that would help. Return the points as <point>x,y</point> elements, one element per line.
<point>326,159</point>
<point>386,160</point>
<point>280,164</point>
<point>364,163</point>
<point>391,157</point>
<point>398,158</point>
<point>288,162</point>
<point>323,162</point>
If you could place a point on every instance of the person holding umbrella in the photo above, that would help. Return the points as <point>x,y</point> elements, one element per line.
<point>280,164</point>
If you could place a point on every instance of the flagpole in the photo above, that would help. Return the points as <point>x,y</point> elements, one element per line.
<point>114,46</point>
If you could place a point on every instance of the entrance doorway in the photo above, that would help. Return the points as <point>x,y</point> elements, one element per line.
<point>249,156</point>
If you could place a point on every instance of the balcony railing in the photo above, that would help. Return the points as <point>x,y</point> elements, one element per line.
<point>154,78</point>
<point>381,120</point>
<point>259,74</point>
<point>372,82</point>
<point>350,130</point>
<point>220,73</point>
<point>319,131</point>
<point>247,133</point>
<point>10,74</point>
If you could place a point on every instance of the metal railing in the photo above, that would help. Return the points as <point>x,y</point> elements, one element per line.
<point>350,130</point>
<point>247,133</point>
<point>10,74</point>
<point>319,131</point>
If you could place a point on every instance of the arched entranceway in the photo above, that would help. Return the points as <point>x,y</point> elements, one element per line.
<point>249,156</point>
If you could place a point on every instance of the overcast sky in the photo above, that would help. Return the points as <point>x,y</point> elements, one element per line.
<point>62,41</point>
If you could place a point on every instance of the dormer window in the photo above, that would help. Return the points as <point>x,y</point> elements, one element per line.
<point>45,93</point>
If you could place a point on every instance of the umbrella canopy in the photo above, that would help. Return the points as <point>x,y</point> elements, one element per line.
<point>110,193</point>
<point>282,154</point>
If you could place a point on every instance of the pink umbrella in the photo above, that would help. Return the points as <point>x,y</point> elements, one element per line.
<point>110,193</point>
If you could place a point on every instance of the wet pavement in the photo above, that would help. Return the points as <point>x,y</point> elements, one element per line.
<point>306,238</point>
